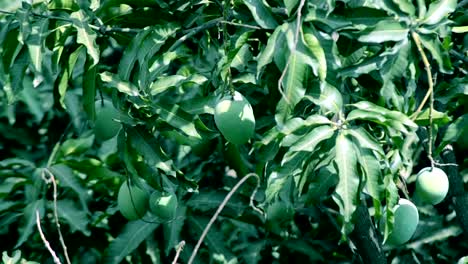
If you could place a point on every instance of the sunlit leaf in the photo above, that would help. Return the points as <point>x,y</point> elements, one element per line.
<point>261,13</point>
<point>86,35</point>
<point>439,10</point>
<point>385,31</point>
<point>348,185</point>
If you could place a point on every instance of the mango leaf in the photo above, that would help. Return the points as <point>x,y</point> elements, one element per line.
<point>89,89</point>
<point>266,55</point>
<point>406,6</point>
<point>113,81</point>
<point>456,129</point>
<point>66,177</point>
<point>292,87</point>
<point>146,146</point>
<point>75,217</point>
<point>321,182</point>
<point>365,140</point>
<point>394,68</point>
<point>17,72</point>
<point>439,10</point>
<point>173,228</point>
<point>166,82</point>
<point>385,31</point>
<point>210,200</point>
<point>347,191</point>
<point>129,56</point>
<point>178,118</point>
<point>261,13</point>
<point>327,97</point>
<point>214,238</point>
<point>435,47</point>
<point>28,225</point>
<point>35,42</point>
<point>310,141</point>
<point>75,146</point>
<point>290,5</point>
<point>129,239</point>
<point>372,173</point>
<point>85,35</point>
<point>314,46</point>
<point>391,199</point>
<point>438,118</point>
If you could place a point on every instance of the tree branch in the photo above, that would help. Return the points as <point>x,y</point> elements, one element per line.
<point>218,211</point>
<point>46,243</point>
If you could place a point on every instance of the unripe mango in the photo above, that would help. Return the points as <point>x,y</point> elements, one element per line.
<point>132,201</point>
<point>163,205</point>
<point>235,119</point>
<point>406,220</point>
<point>105,126</point>
<point>432,185</point>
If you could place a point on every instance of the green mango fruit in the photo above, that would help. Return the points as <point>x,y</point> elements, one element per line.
<point>132,201</point>
<point>432,185</point>
<point>105,125</point>
<point>406,221</point>
<point>235,119</point>
<point>163,205</point>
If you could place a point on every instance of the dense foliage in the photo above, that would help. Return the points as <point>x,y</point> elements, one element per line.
<point>350,99</point>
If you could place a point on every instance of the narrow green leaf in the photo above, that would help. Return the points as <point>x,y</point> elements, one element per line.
<point>438,118</point>
<point>73,216</point>
<point>385,31</point>
<point>314,46</point>
<point>129,239</point>
<point>85,35</point>
<point>173,229</point>
<point>35,42</point>
<point>348,185</point>
<point>261,13</point>
<point>290,5</point>
<point>435,47</point>
<point>89,89</point>
<point>406,6</point>
<point>456,129</point>
<point>113,81</point>
<point>439,10</point>
<point>129,56</point>
<point>176,117</point>
<point>210,200</point>
<point>66,177</point>
<point>166,82</point>
<point>462,29</point>
<point>28,224</point>
<point>266,55</point>
<point>292,87</point>
<point>147,146</point>
<point>214,238</point>
<point>310,141</point>
<point>372,172</point>
<point>365,140</point>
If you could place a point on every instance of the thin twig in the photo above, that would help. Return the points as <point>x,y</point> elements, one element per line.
<point>57,222</point>
<point>218,211</point>
<point>429,94</point>
<point>194,31</point>
<point>179,249</point>
<point>427,66</point>
<point>46,243</point>
<point>293,50</point>
<point>239,24</point>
